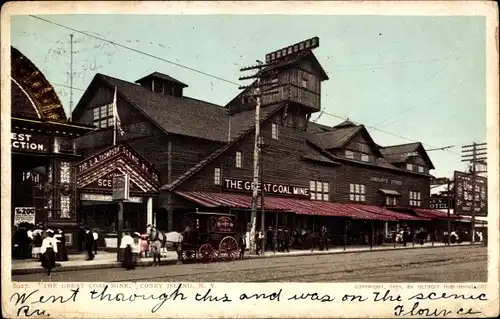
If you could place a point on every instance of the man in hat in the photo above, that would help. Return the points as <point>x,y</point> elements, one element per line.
<point>89,243</point>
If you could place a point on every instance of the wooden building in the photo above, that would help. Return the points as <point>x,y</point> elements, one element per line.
<point>43,151</point>
<point>203,153</point>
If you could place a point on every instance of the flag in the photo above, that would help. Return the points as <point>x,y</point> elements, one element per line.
<point>117,121</point>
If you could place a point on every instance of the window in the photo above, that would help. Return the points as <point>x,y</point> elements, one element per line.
<point>217,176</point>
<point>421,169</point>
<point>365,157</point>
<point>244,100</point>
<point>274,131</point>
<point>390,201</point>
<point>349,154</point>
<point>304,83</point>
<point>414,198</point>
<point>409,167</point>
<point>357,192</point>
<point>319,190</point>
<point>238,159</point>
<point>103,116</point>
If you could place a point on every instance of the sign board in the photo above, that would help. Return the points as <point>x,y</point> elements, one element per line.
<point>121,187</point>
<point>126,152</point>
<point>386,181</point>
<point>308,44</point>
<point>107,198</point>
<point>269,188</point>
<point>32,143</point>
<point>24,215</point>
<point>440,202</point>
<point>471,192</point>
<point>105,183</point>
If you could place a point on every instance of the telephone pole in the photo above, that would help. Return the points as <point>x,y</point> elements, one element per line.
<point>70,76</point>
<point>472,153</point>
<point>255,92</point>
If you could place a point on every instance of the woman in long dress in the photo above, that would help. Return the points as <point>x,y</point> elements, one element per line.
<point>37,243</point>
<point>49,251</point>
<point>126,245</point>
<point>62,254</point>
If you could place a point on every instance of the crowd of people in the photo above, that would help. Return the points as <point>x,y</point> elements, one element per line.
<point>28,241</point>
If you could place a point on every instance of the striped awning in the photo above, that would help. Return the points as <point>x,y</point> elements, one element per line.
<point>298,206</point>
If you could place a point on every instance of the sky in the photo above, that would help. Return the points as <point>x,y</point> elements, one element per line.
<point>406,78</point>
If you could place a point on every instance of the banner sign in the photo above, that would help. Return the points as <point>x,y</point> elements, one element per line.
<point>105,182</point>
<point>471,192</point>
<point>24,215</point>
<point>441,202</point>
<point>142,166</point>
<point>107,198</point>
<point>121,187</point>
<point>29,143</point>
<point>270,188</point>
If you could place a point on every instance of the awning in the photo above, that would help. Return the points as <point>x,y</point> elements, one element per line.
<point>385,212</point>
<point>433,214</point>
<point>426,213</point>
<point>389,192</point>
<point>298,206</point>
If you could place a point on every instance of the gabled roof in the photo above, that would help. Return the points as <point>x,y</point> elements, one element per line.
<point>265,115</point>
<point>162,76</point>
<point>317,128</point>
<point>337,138</point>
<point>175,115</point>
<point>317,154</point>
<point>291,59</point>
<point>400,153</point>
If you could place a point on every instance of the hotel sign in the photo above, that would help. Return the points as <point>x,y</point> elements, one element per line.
<point>29,143</point>
<point>269,188</point>
<point>440,203</point>
<point>471,192</point>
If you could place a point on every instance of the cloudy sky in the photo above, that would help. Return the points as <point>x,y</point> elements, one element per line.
<point>406,78</point>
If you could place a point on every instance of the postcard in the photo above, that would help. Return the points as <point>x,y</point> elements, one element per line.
<point>270,159</point>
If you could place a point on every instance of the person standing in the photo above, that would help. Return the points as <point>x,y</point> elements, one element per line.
<point>242,242</point>
<point>126,245</point>
<point>81,238</point>
<point>95,234</point>
<point>269,239</point>
<point>89,243</point>
<point>49,251</point>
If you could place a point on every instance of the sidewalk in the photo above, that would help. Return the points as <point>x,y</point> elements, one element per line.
<point>108,260</point>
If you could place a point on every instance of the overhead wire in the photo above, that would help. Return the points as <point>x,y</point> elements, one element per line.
<point>187,68</point>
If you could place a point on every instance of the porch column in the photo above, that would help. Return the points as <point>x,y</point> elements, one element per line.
<point>386,229</point>
<point>149,211</point>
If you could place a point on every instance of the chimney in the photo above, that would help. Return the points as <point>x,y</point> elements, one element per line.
<point>163,84</point>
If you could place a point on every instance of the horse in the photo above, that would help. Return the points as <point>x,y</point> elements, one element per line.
<point>159,240</point>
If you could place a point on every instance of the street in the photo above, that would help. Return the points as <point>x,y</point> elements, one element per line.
<point>443,264</point>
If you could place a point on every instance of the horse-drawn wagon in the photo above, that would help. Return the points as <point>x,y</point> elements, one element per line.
<point>207,236</point>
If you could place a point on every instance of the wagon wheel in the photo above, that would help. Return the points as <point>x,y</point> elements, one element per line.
<point>228,248</point>
<point>188,254</point>
<point>206,253</point>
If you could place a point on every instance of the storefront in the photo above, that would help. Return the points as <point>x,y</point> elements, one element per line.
<point>42,152</point>
<point>94,177</point>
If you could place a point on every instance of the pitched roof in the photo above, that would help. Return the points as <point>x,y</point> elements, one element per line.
<point>176,115</point>
<point>270,110</point>
<point>337,138</point>
<point>315,155</point>
<point>400,153</point>
<point>291,59</point>
<point>163,77</point>
<point>317,128</point>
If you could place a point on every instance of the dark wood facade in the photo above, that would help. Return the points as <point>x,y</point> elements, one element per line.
<point>187,140</point>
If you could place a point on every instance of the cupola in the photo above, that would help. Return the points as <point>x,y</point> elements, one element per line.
<point>163,84</point>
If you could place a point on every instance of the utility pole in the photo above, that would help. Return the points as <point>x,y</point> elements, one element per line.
<point>256,91</point>
<point>472,153</point>
<point>70,75</point>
